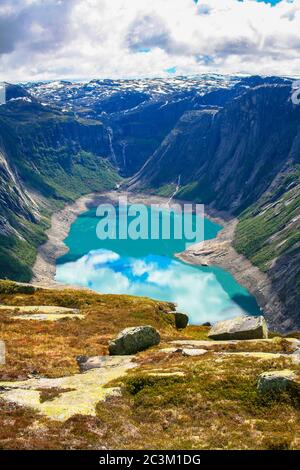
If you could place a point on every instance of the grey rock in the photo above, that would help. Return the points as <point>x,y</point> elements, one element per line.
<point>2,352</point>
<point>86,363</point>
<point>276,381</point>
<point>133,340</point>
<point>189,352</point>
<point>193,352</point>
<point>181,320</point>
<point>240,328</point>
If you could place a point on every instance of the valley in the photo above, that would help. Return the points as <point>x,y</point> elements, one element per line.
<point>229,142</point>
<point>232,144</point>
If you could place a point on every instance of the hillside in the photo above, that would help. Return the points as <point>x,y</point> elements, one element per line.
<point>47,158</point>
<point>161,398</point>
<point>242,159</point>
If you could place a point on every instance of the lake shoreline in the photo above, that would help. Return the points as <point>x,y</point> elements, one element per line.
<point>216,252</point>
<point>44,267</point>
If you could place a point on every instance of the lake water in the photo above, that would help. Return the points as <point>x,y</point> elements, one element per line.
<point>149,268</point>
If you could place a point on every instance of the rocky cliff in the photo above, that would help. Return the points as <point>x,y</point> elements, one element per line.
<point>243,158</point>
<point>46,158</point>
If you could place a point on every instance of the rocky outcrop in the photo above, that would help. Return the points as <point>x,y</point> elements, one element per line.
<point>240,328</point>
<point>133,340</point>
<point>277,381</point>
<point>181,319</point>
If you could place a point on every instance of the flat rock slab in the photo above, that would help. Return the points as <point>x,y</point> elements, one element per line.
<point>48,316</point>
<point>242,328</point>
<point>202,344</point>
<point>218,345</point>
<point>191,352</point>
<point>86,363</point>
<point>80,393</point>
<point>42,313</point>
<point>277,381</point>
<point>2,353</point>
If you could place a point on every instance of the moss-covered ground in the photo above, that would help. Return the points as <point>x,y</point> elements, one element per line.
<point>167,402</point>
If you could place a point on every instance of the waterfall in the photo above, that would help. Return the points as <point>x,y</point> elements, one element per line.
<point>176,190</point>
<point>124,145</point>
<point>110,134</point>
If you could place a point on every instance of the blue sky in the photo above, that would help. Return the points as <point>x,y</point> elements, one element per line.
<point>50,39</point>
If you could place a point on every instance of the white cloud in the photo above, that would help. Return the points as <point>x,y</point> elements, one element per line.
<point>122,38</point>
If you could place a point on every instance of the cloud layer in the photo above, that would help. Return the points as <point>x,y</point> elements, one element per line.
<point>48,39</point>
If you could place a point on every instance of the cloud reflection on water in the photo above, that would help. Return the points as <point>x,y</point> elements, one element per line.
<point>195,292</point>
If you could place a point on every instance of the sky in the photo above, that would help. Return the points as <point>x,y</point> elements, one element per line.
<point>85,39</point>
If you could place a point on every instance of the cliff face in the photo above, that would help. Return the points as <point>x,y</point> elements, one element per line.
<point>243,158</point>
<point>137,133</point>
<point>46,158</point>
<point>229,155</point>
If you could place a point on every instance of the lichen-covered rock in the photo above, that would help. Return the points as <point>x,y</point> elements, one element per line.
<point>276,381</point>
<point>77,394</point>
<point>133,340</point>
<point>181,320</point>
<point>240,328</point>
<point>2,352</point>
<point>86,363</point>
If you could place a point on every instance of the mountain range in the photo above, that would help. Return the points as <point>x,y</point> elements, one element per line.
<point>232,143</point>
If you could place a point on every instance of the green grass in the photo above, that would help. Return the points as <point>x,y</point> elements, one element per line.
<point>50,156</point>
<point>266,230</point>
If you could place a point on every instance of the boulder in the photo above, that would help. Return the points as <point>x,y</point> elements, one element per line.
<point>133,340</point>
<point>207,323</point>
<point>240,328</point>
<point>276,381</point>
<point>2,352</point>
<point>181,320</point>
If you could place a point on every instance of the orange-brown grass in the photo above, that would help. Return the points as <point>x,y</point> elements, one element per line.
<point>50,348</point>
<point>214,405</point>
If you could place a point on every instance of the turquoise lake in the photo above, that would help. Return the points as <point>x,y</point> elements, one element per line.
<point>149,268</point>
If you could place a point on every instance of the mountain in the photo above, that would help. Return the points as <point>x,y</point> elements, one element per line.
<point>137,114</point>
<point>243,158</point>
<point>46,159</point>
<point>232,143</point>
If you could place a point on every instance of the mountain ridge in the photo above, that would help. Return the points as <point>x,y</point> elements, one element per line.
<point>233,144</point>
